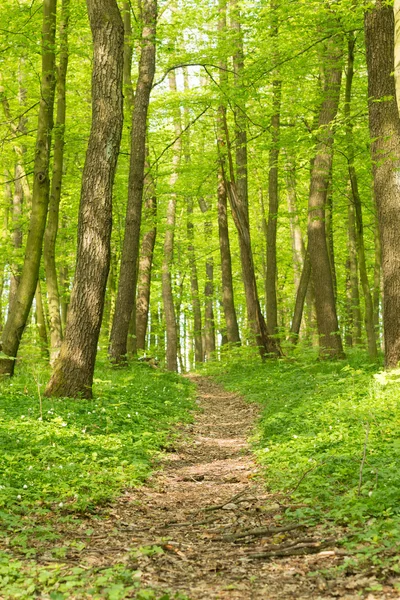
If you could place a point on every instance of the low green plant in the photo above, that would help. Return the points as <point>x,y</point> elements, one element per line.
<point>61,459</point>
<point>328,438</point>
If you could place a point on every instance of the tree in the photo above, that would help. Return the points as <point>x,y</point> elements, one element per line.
<point>130,251</point>
<point>328,328</point>
<point>384,125</point>
<point>73,372</point>
<point>166,269</point>
<point>50,236</point>
<point>19,310</point>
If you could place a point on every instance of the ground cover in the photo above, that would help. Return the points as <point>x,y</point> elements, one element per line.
<point>62,460</point>
<point>328,438</point>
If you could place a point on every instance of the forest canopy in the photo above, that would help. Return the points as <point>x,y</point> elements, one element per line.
<point>186,177</point>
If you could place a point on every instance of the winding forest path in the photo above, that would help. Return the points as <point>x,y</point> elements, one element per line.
<point>177,511</point>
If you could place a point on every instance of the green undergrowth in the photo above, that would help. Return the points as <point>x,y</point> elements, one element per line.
<point>328,438</point>
<point>65,459</point>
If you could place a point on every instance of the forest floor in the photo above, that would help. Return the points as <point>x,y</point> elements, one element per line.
<point>177,531</point>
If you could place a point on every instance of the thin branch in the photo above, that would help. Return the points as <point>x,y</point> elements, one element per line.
<point>178,137</point>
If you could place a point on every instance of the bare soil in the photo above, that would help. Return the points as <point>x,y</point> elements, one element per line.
<point>205,492</point>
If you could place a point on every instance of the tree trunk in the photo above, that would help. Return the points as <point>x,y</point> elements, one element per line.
<point>362,263</point>
<point>209,321</point>
<point>145,264</point>
<point>41,322</point>
<point>73,372</point>
<point>126,296</point>
<point>328,328</point>
<point>273,189</point>
<point>228,303</point>
<point>50,236</point>
<point>167,294</point>
<point>17,235</point>
<point>194,281</point>
<point>194,286</point>
<point>238,197</point>
<point>377,278</point>
<point>303,286</point>
<point>3,242</point>
<point>19,312</point>
<point>384,124</point>
<point>329,233</point>
<point>396,10</point>
<point>354,294</point>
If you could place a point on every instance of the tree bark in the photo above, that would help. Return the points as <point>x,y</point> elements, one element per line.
<point>384,125</point>
<point>228,302</point>
<point>167,294</point>
<point>73,372</point>
<point>126,296</point>
<point>354,321</point>
<point>50,236</point>
<point>362,263</point>
<point>396,11</point>
<point>16,235</point>
<point>19,312</point>
<point>145,264</point>
<point>209,321</point>
<point>301,294</point>
<point>238,197</point>
<point>194,281</point>
<point>377,278</point>
<point>273,188</point>
<point>328,328</point>
<point>3,241</point>
<point>41,322</point>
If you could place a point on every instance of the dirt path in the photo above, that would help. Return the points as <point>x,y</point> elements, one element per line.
<point>211,466</point>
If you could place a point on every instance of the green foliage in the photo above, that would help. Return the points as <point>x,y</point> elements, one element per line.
<point>70,455</point>
<point>65,458</point>
<point>318,420</point>
<point>24,580</point>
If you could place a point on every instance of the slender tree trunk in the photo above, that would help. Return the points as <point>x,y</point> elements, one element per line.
<point>238,197</point>
<point>16,236</point>
<point>328,328</point>
<point>50,236</point>
<point>298,248</point>
<point>128,54</point>
<point>228,303</point>
<point>209,321</point>
<point>377,277</point>
<point>41,322</point>
<point>299,255</point>
<point>126,296</point>
<point>19,312</point>
<point>273,188</point>
<point>303,286</point>
<point>145,264</point>
<point>384,124</point>
<point>354,294</point>
<point>362,263</point>
<point>167,294</point>
<point>194,281</point>
<point>329,233</point>
<point>3,242</point>
<point>194,286</point>
<point>64,298</point>
<point>73,372</point>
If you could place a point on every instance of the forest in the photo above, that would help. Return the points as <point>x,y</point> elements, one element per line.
<point>199,299</point>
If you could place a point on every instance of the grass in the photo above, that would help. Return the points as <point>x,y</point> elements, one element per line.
<point>328,438</point>
<point>63,459</point>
